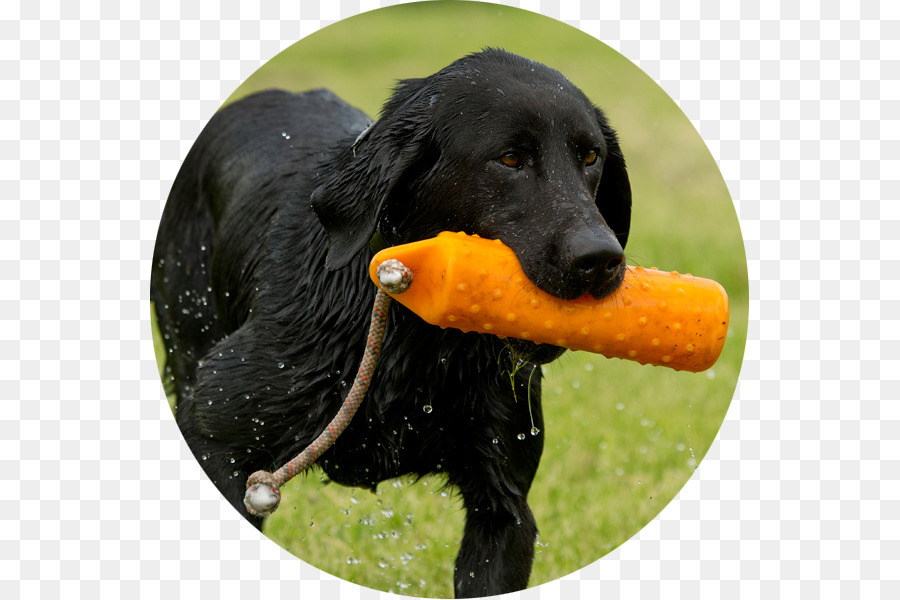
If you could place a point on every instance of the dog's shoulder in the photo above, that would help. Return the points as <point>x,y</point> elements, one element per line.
<point>320,108</point>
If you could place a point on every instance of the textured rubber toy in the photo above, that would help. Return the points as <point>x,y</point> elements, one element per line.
<point>473,284</point>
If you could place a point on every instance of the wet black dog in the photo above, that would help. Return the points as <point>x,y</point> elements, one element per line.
<point>261,289</point>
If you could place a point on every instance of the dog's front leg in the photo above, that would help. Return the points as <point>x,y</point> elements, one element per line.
<point>494,473</point>
<point>497,551</point>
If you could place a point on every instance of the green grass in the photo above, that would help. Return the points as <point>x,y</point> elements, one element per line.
<point>622,439</point>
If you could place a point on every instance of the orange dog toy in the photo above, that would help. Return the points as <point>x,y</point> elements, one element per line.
<point>473,284</point>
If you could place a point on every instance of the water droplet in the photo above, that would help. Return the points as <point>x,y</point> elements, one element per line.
<point>495,440</point>
<point>280,365</point>
<point>443,361</point>
<point>521,436</point>
<point>427,409</point>
<point>535,431</point>
<point>231,460</point>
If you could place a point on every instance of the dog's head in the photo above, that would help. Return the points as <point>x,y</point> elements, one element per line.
<point>495,145</point>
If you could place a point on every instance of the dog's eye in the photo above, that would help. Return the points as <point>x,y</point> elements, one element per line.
<point>511,160</point>
<point>591,158</point>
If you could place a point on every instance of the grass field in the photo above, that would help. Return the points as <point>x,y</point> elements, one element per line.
<point>622,439</point>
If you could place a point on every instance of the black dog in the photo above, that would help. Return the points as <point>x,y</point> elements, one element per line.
<point>261,289</point>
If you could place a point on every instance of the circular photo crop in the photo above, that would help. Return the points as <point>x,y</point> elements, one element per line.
<point>540,392</point>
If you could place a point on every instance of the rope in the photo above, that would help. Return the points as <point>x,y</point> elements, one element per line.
<point>263,494</point>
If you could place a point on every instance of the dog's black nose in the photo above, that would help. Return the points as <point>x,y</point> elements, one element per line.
<point>596,261</point>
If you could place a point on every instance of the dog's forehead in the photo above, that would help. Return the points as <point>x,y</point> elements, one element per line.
<point>509,108</point>
<point>500,89</point>
<point>505,83</point>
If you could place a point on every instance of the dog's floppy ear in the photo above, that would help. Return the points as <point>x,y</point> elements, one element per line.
<point>358,180</point>
<point>614,193</point>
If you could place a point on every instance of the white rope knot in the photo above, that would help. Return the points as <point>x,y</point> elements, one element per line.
<point>262,497</point>
<point>394,277</point>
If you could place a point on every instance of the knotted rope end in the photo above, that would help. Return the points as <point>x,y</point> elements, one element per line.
<point>262,496</point>
<point>394,277</point>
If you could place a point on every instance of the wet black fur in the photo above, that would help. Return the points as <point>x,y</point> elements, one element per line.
<point>261,289</point>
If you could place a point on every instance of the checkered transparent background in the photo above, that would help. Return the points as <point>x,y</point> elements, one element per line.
<point>800,105</point>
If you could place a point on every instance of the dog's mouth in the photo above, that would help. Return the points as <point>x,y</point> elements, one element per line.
<point>567,290</point>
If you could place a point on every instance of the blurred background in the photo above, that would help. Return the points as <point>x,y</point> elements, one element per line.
<point>621,438</point>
